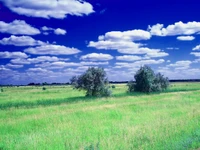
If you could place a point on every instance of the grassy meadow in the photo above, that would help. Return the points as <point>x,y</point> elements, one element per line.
<point>62,118</point>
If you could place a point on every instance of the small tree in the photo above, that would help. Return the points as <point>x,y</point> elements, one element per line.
<point>94,81</point>
<point>147,81</point>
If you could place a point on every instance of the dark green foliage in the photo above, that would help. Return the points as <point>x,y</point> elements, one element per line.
<point>94,81</point>
<point>131,86</point>
<point>1,90</point>
<point>113,86</point>
<point>147,81</point>
<point>44,88</point>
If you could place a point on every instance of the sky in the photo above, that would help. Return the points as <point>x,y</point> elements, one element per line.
<point>53,40</point>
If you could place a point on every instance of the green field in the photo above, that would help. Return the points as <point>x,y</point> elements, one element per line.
<point>62,118</point>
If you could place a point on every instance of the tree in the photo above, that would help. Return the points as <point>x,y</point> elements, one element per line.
<point>94,81</point>
<point>147,81</point>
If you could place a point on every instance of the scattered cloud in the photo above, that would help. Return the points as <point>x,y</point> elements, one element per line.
<point>179,28</point>
<point>89,63</point>
<point>49,9</point>
<point>185,38</point>
<point>184,64</point>
<point>20,41</point>
<point>197,54</point>
<point>52,50</point>
<point>59,31</point>
<point>196,48</point>
<point>21,61</point>
<point>96,57</point>
<point>131,35</point>
<point>14,66</point>
<point>139,63</point>
<point>18,27</point>
<point>129,58</point>
<point>172,48</point>
<point>7,54</point>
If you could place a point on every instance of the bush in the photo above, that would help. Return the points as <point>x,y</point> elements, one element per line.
<point>44,88</point>
<point>147,81</point>
<point>113,86</point>
<point>94,81</point>
<point>1,90</point>
<point>131,86</point>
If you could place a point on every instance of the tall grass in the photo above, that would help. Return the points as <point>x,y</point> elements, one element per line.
<point>157,121</point>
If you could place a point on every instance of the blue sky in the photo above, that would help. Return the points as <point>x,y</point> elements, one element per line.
<point>50,40</point>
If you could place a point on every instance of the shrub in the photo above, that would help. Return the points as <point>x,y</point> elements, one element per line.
<point>113,86</point>
<point>1,90</point>
<point>94,81</point>
<point>147,81</point>
<point>131,86</point>
<point>44,88</point>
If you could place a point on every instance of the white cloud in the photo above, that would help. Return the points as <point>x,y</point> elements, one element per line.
<point>153,54</point>
<point>36,70</point>
<point>18,27</point>
<point>20,41</point>
<point>131,35</point>
<point>172,48</point>
<point>89,63</point>
<point>127,47</point>
<point>45,28</point>
<point>20,61</point>
<point>45,58</point>
<point>138,63</point>
<point>49,8</point>
<point>52,50</point>
<point>59,31</point>
<point>184,64</point>
<point>96,57</point>
<point>179,28</point>
<point>57,65</point>
<point>185,38</point>
<point>14,66</point>
<point>197,54</point>
<point>129,58</point>
<point>124,43</point>
<point>7,54</point>
<point>196,48</point>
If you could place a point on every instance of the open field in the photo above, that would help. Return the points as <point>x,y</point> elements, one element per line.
<point>62,118</point>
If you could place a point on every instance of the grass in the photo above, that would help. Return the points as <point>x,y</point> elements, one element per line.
<point>62,118</point>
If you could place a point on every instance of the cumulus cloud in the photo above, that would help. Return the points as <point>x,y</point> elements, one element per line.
<point>89,63</point>
<point>59,31</point>
<point>131,35</point>
<point>14,66</point>
<point>124,42</point>
<point>179,28</point>
<point>21,61</point>
<point>57,65</point>
<point>185,38</point>
<point>96,57</point>
<point>183,64</point>
<point>20,41</point>
<point>52,50</point>
<point>196,48</point>
<point>18,27</point>
<point>197,54</point>
<point>49,8</point>
<point>129,58</point>
<point>45,58</point>
<point>139,63</point>
<point>7,54</point>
